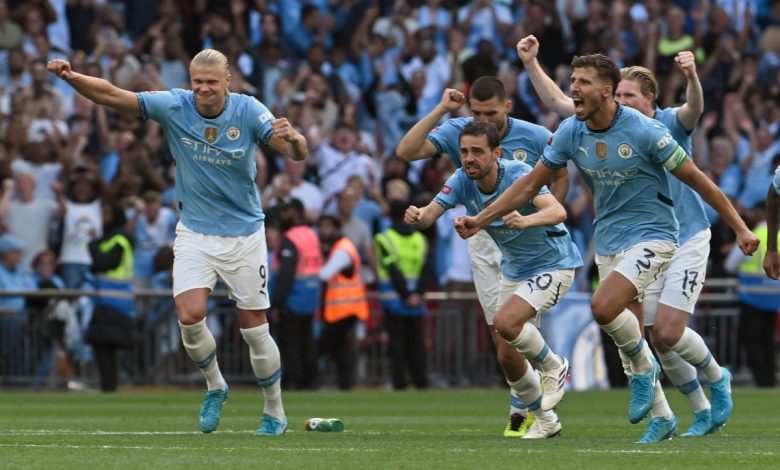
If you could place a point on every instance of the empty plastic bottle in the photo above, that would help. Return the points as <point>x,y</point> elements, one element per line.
<point>324,425</point>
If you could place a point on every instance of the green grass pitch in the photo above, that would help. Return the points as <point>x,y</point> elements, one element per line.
<point>431,429</point>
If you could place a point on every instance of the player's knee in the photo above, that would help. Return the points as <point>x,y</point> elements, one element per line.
<point>666,334</point>
<point>190,313</point>
<point>503,325</point>
<point>601,308</point>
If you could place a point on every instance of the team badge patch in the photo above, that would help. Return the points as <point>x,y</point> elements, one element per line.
<point>625,151</point>
<point>233,133</point>
<point>210,134</point>
<point>446,189</point>
<point>519,155</point>
<point>601,149</point>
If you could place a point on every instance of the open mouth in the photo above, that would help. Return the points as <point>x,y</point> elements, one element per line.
<point>579,105</point>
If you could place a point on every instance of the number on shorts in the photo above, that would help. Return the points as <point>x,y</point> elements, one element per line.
<point>263,278</point>
<point>689,283</point>
<point>541,282</point>
<point>645,263</point>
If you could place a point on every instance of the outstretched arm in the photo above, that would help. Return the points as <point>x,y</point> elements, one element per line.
<point>690,174</point>
<point>550,212</point>
<point>771,259</point>
<point>691,111</point>
<point>520,192</point>
<point>415,145</point>
<point>96,89</point>
<point>551,95</point>
<point>423,217</point>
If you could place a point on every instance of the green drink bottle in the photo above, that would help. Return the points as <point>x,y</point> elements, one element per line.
<point>324,425</point>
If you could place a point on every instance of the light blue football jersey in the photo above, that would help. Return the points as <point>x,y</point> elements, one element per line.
<point>624,168</point>
<point>527,252</point>
<point>215,159</point>
<point>522,141</point>
<point>688,205</point>
<point>776,180</point>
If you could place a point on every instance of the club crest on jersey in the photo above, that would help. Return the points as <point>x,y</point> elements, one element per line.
<point>210,134</point>
<point>519,155</point>
<point>601,149</point>
<point>233,133</point>
<point>625,151</point>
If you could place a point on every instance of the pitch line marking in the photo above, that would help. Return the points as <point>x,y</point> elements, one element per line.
<point>366,450</point>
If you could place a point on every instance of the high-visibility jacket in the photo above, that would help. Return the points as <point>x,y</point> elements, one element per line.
<point>345,296</point>
<point>408,253</point>
<point>117,279</point>
<point>305,292</point>
<point>755,288</point>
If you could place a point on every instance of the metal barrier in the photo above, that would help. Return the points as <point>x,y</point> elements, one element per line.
<point>459,346</point>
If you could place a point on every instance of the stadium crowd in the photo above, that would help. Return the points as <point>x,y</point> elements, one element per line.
<point>352,76</point>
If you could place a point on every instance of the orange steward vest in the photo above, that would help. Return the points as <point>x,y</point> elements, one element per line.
<point>345,296</point>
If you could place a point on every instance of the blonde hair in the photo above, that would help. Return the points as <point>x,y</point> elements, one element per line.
<point>644,77</point>
<point>211,58</point>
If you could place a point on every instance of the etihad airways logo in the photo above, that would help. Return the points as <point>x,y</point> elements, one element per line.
<point>206,153</point>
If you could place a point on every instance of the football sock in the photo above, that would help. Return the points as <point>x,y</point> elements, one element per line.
<point>266,364</point>
<point>516,405</point>
<point>202,348</point>
<point>660,405</point>
<point>531,343</point>
<point>528,389</point>
<point>624,330</point>
<point>683,376</point>
<point>692,349</point>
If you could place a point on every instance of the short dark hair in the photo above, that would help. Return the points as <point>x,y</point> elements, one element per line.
<point>331,220</point>
<point>487,87</point>
<point>477,129</point>
<point>605,67</point>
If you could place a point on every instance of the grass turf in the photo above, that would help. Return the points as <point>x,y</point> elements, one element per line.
<point>432,429</point>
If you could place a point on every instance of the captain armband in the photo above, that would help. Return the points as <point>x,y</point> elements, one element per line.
<point>676,160</point>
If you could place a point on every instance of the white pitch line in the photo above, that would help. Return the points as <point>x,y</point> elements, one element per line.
<point>199,448</point>
<point>74,432</point>
<point>367,450</point>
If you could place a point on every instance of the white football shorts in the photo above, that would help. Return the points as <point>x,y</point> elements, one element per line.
<point>241,263</point>
<point>642,264</point>
<point>542,291</point>
<point>680,285</point>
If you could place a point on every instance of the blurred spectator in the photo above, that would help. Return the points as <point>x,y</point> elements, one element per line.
<point>27,217</point>
<point>56,321</point>
<point>309,194</point>
<point>344,300</point>
<point>13,315</point>
<point>153,227</point>
<point>436,72</point>
<point>296,289</point>
<point>82,223</point>
<point>761,163</point>
<point>366,209</point>
<point>431,14</point>
<point>357,231</point>
<point>12,277</point>
<point>275,195</point>
<point>339,159</point>
<point>484,20</point>
<point>402,251</point>
<point>11,34</point>
<point>112,326</point>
